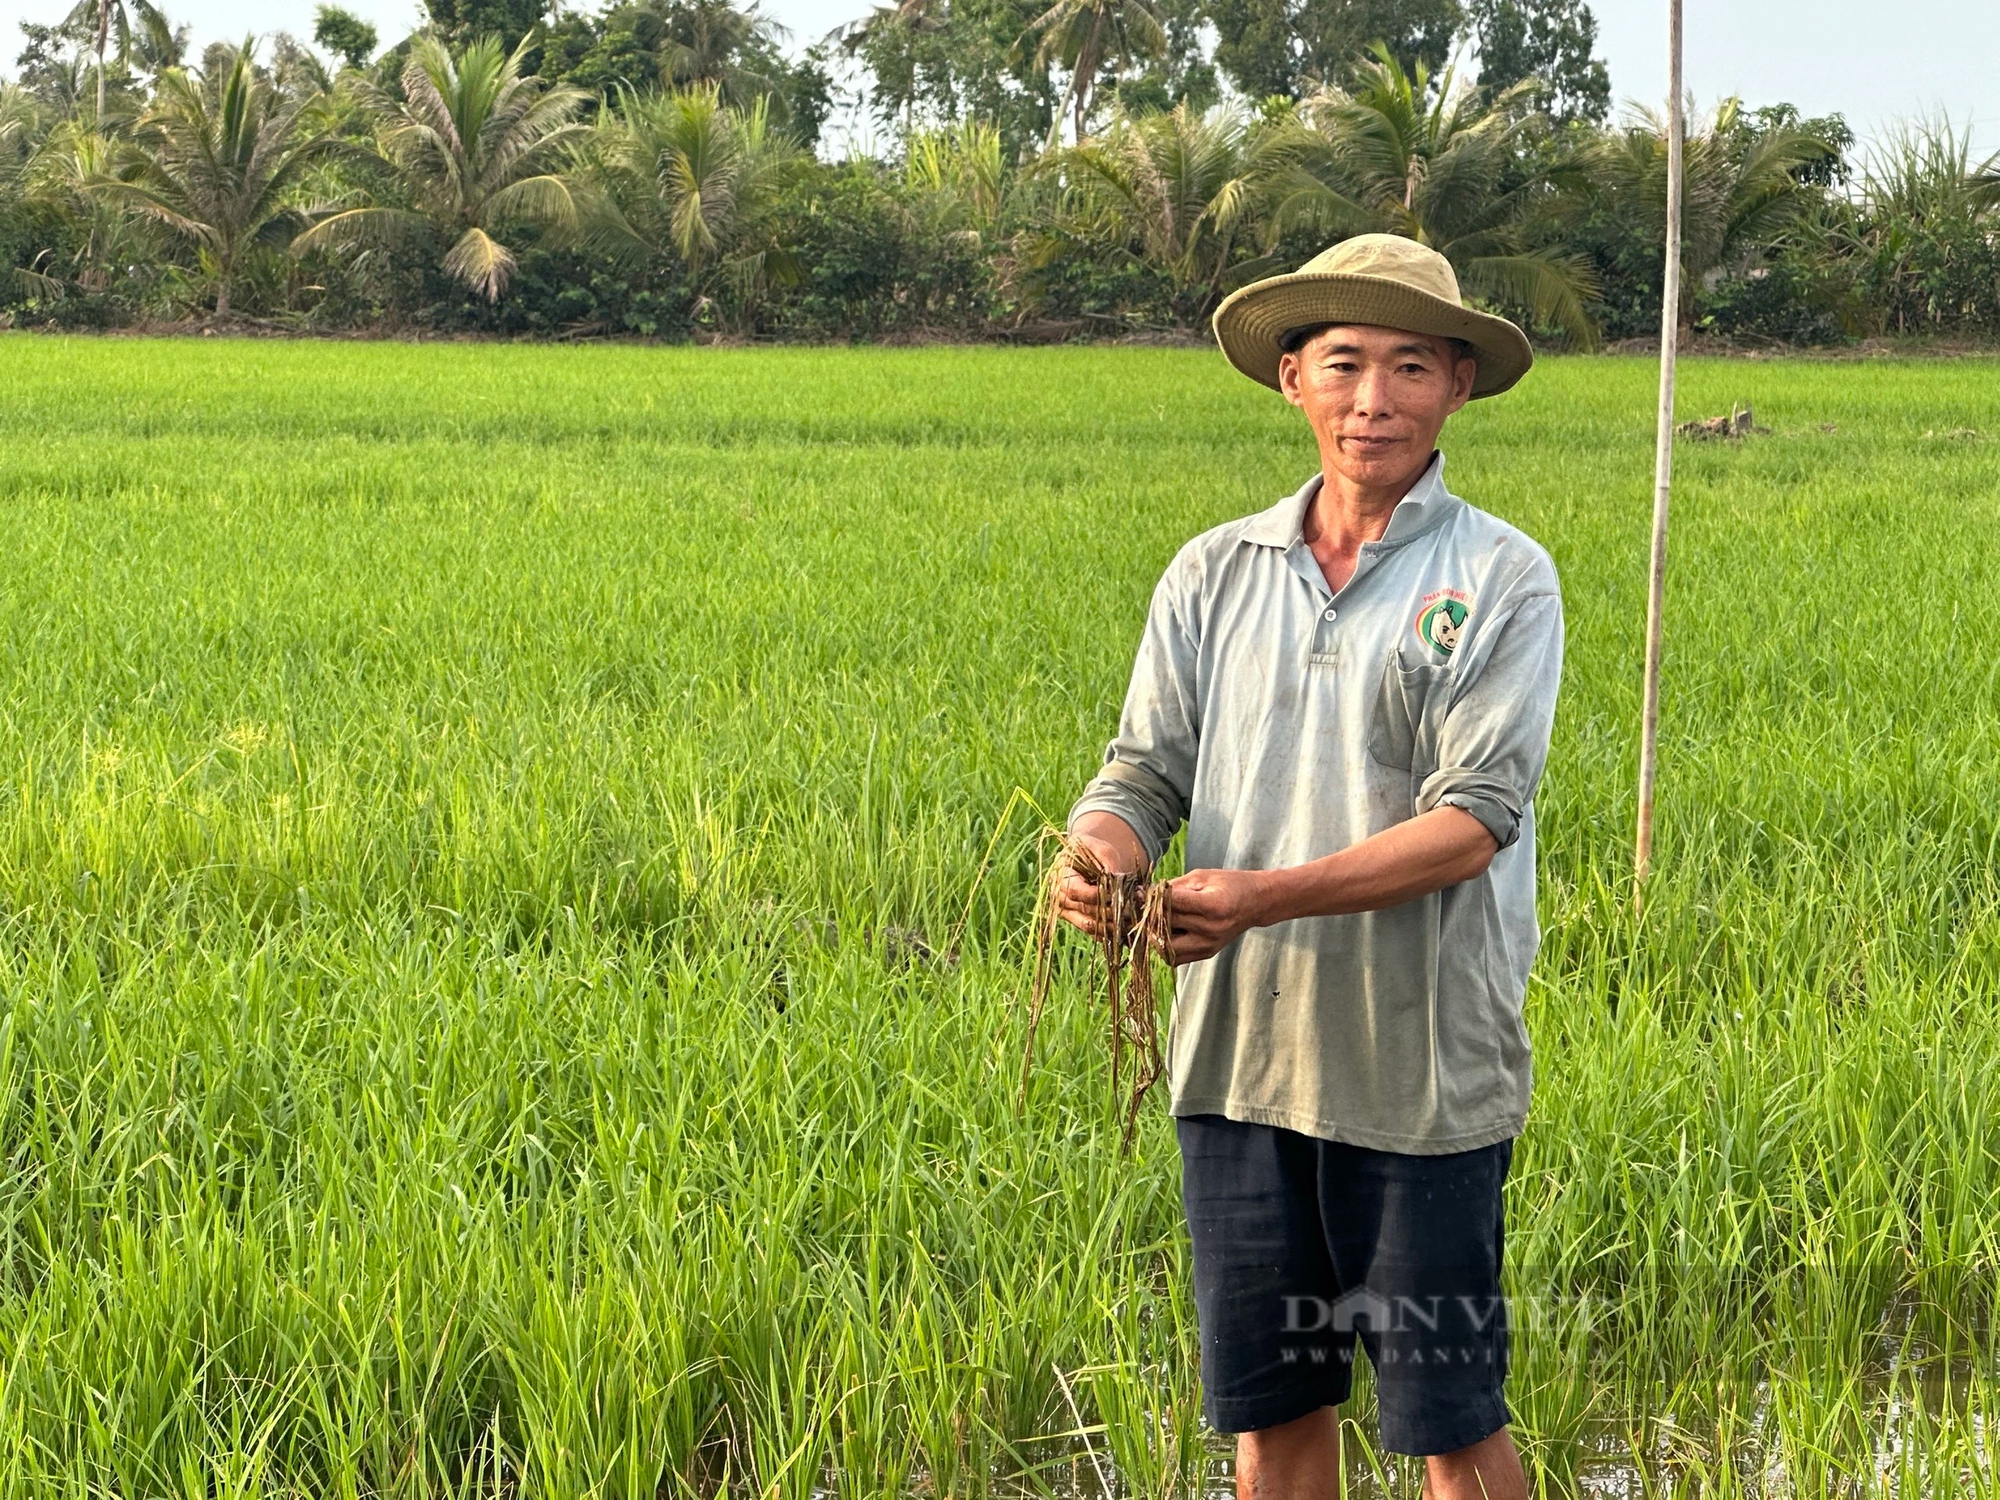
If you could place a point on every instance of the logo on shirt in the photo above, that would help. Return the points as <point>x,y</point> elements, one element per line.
<point>1442,618</point>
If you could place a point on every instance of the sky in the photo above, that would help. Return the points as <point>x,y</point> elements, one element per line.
<point>1872,62</point>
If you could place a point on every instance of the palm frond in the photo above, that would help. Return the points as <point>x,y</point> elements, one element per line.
<point>38,283</point>
<point>1300,201</point>
<point>481,262</point>
<point>546,199</point>
<point>1984,185</point>
<point>1554,286</point>
<point>368,225</point>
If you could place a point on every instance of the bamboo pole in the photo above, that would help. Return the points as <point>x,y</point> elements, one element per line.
<point>1663,457</point>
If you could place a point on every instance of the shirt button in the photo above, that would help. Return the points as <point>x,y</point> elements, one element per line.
<point>1329,614</point>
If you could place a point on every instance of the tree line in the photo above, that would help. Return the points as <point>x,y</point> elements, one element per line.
<point>1085,166</point>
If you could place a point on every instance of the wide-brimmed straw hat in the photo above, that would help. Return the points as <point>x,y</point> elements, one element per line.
<point>1379,279</point>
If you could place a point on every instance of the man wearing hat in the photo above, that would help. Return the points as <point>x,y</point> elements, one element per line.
<point>1347,699</point>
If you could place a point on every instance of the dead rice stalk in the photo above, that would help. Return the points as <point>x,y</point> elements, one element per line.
<point>1135,925</point>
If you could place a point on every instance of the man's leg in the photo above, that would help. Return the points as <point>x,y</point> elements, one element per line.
<point>1489,1470</point>
<point>1301,1461</point>
<point>1423,1237</point>
<point>1264,1288</point>
<point>1298,1461</point>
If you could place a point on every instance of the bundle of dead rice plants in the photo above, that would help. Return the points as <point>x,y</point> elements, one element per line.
<point>1134,929</point>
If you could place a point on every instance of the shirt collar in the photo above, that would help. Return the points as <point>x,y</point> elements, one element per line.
<point>1283,525</point>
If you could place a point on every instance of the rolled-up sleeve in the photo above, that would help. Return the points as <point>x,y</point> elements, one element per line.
<point>1148,774</point>
<point>1494,740</point>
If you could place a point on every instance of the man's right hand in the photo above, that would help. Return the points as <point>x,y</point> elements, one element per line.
<point>1116,847</point>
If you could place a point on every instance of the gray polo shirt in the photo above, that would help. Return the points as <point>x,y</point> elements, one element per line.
<point>1283,723</point>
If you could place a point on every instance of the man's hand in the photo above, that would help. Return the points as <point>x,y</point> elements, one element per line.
<point>1213,908</point>
<point>1117,849</point>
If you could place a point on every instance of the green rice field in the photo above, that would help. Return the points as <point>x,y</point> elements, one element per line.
<point>484,1010</point>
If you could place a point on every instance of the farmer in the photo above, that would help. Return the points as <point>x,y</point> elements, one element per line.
<point>1347,698</point>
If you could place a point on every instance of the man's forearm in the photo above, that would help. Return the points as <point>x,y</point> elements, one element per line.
<point>1110,829</point>
<point>1439,848</point>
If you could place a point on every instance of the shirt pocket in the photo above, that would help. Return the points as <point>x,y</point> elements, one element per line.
<point>1403,729</point>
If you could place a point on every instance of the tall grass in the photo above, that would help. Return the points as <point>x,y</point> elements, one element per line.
<point>480,829</point>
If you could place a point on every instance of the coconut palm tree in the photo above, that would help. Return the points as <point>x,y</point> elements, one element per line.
<point>1179,190</point>
<point>476,149</point>
<point>691,177</point>
<point>707,41</point>
<point>61,178</point>
<point>108,16</point>
<point>1741,185</point>
<point>157,44</point>
<point>19,118</point>
<point>1399,152</point>
<point>219,167</point>
<point>18,121</point>
<point>1085,35</point>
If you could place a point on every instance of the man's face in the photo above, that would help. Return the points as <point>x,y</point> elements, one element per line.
<point>1377,398</point>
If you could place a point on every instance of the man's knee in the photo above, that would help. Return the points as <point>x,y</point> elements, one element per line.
<point>1306,1432</point>
<point>1488,1470</point>
<point>1296,1460</point>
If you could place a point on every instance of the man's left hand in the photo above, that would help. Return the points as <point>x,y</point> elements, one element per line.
<point>1212,908</point>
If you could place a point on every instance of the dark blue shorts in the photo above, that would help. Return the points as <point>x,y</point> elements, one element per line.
<point>1303,1247</point>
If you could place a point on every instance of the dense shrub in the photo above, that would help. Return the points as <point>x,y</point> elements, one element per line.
<point>1936,276</point>
<point>867,266</point>
<point>1103,292</point>
<point>559,292</point>
<point>1794,299</point>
